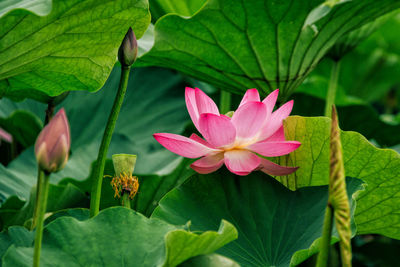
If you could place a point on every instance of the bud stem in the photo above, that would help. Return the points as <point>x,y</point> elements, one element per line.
<point>41,210</point>
<point>225,102</point>
<point>333,82</point>
<point>98,171</point>
<point>39,183</point>
<point>323,256</point>
<point>126,202</point>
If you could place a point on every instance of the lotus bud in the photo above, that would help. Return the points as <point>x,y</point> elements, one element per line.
<point>53,143</point>
<point>128,50</point>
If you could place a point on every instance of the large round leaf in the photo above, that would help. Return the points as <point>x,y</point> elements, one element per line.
<point>257,44</point>
<point>378,205</point>
<point>74,47</point>
<point>273,222</point>
<point>119,237</point>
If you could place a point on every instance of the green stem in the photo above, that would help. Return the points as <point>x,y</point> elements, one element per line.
<point>39,183</point>
<point>98,171</point>
<point>333,82</point>
<point>41,210</point>
<point>323,255</point>
<point>126,202</point>
<point>39,189</point>
<point>225,102</point>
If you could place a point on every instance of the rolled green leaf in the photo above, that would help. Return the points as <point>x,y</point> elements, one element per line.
<point>338,198</point>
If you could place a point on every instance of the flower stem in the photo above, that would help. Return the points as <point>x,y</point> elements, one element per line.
<point>39,183</point>
<point>126,202</point>
<point>333,82</point>
<point>323,256</point>
<point>98,171</point>
<point>41,210</point>
<point>39,189</point>
<point>225,102</point>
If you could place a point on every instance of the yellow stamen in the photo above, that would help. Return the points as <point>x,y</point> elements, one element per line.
<point>125,183</point>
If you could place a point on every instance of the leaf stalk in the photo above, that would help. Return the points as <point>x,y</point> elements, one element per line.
<point>98,171</point>
<point>225,102</point>
<point>41,210</point>
<point>333,83</point>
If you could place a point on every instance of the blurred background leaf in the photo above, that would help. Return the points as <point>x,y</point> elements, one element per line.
<point>143,113</point>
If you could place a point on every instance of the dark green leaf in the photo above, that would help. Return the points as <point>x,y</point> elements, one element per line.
<point>273,222</point>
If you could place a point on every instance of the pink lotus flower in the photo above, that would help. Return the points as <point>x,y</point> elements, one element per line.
<point>53,143</point>
<point>241,142</point>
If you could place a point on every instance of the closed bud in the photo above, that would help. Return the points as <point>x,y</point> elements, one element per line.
<point>53,143</point>
<point>128,50</point>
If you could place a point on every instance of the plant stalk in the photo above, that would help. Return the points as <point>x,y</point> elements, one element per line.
<point>39,183</point>
<point>98,171</point>
<point>333,82</point>
<point>126,202</point>
<point>41,210</point>
<point>225,102</point>
<point>323,256</point>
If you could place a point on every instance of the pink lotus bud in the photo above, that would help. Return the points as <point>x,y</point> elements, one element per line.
<point>128,50</point>
<point>53,143</point>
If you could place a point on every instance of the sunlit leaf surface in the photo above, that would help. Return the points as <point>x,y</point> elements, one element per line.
<point>257,44</point>
<point>74,47</point>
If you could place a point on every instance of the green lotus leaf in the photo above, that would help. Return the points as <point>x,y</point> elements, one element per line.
<point>257,44</point>
<point>273,222</point>
<point>377,206</point>
<point>17,235</point>
<point>74,47</point>
<point>119,236</point>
